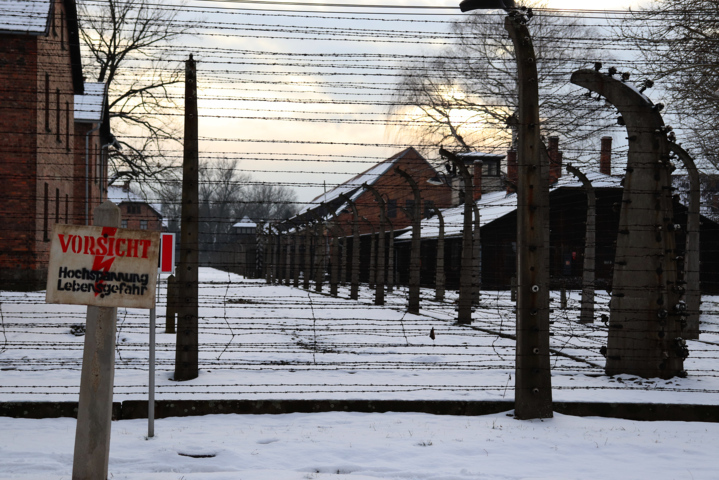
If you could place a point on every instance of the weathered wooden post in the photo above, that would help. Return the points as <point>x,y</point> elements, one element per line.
<point>94,411</point>
<point>692,281</point>
<point>644,324</point>
<point>171,310</point>
<point>187,348</point>
<point>414,261</point>
<point>586,314</point>
<point>476,252</point>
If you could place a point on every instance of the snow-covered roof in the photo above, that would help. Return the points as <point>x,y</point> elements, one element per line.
<point>354,184</point>
<point>119,195</point>
<point>495,205</point>
<point>246,222</point>
<point>88,107</point>
<point>24,16</point>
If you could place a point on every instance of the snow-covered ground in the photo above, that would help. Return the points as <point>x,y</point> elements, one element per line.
<point>359,446</point>
<point>271,341</point>
<point>261,341</point>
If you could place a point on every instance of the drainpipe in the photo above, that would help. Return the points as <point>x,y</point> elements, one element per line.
<point>87,173</point>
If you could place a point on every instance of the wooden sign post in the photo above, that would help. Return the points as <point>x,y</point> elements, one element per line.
<point>104,267</point>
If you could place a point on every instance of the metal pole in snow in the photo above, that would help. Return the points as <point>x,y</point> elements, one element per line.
<point>151,389</point>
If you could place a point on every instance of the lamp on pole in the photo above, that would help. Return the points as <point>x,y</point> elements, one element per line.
<point>533,387</point>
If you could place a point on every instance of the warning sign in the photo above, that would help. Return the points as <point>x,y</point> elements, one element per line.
<point>102,266</point>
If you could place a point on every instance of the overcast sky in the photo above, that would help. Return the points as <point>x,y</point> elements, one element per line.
<point>261,95</point>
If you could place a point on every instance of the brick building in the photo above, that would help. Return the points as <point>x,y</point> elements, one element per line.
<point>40,77</point>
<point>396,192</point>
<point>136,213</point>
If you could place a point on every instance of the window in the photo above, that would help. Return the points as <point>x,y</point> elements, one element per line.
<point>67,126</point>
<point>57,115</point>
<point>409,205</point>
<point>46,205</point>
<point>391,208</point>
<point>47,102</point>
<point>428,208</point>
<point>123,223</point>
<point>492,168</point>
<point>143,224</point>
<point>62,30</point>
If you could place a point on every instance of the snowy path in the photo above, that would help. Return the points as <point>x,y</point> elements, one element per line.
<point>270,341</point>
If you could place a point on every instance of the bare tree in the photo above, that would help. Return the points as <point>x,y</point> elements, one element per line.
<point>465,98</point>
<point>677,41</point>
<point>123,39</point>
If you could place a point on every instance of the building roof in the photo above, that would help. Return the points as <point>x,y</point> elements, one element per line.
<point>25,16</point>
<point>119,195</point>
<point>32,17</point>
<point>495,205</point>
<point>353,186</point>
<point>246,222</point>
<point>89,106</point>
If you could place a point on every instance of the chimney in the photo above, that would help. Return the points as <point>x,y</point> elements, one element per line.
<point>477,179</point>
<point>605,156</point>
<point>512,171</point>
<point>555,160</point>
<point>126,186</point>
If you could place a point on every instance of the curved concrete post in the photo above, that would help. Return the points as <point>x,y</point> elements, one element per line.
<point>644,328</point>
<point>319,251</point>
<point>586,314</point>
<point>533,381</point>
<point>354,278</point>
<point>379,272</point>
<point>692,280</point>
<point>414,262</point>
<point>464,306</point>
<point>390,258</point>
<point>307,264</point>
<point>440,277</point>
<point>372,254</point>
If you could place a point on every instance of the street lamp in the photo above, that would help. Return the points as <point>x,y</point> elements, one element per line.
<point>533,386</point>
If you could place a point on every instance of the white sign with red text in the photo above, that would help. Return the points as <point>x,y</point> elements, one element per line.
<point>102,266</point>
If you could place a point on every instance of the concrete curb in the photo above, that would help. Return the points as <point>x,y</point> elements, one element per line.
<point>135,409</point>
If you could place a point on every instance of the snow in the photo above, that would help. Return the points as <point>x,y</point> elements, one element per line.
<point>88,107</point>
<point>24,16</point>
<point>370,446</point>
<point>495,205</point>
<point>262,341</point>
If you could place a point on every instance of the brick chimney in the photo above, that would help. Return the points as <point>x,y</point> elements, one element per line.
<point>477,179</point>
<point>555,160</point>
<point>126,186</point>
<point>512,171</point>
<point>605,156</point>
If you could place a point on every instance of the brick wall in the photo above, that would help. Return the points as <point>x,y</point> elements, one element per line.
<point>36,161</point>
<point>394,188</point>
<point>134,213</point>
<point>94,168</point>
